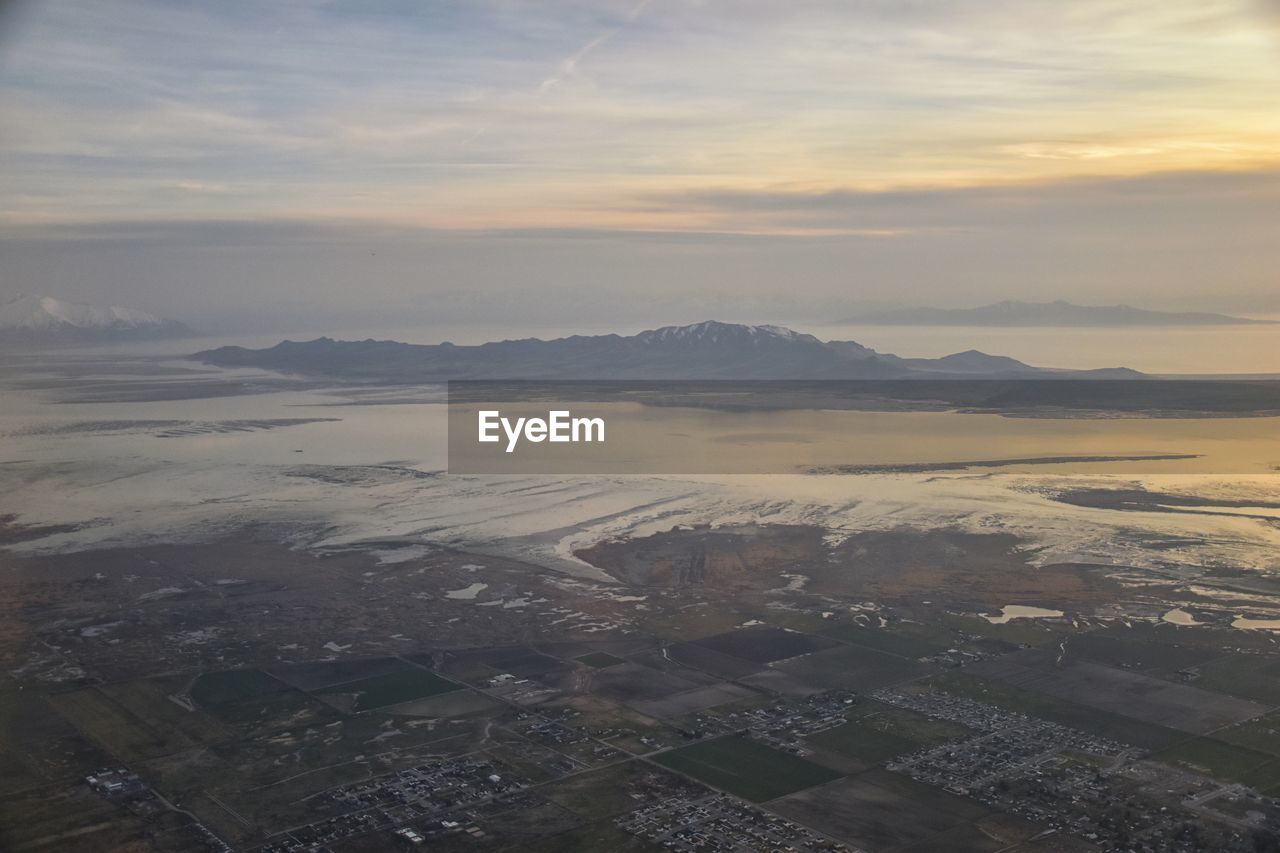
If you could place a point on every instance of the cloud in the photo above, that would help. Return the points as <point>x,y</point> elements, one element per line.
<point>440,112</point>
<point>1222,200</point>
<point>560,143</point>
<point>200,187</point>
<point>569,64</point>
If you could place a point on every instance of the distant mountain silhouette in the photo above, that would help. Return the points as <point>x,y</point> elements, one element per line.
<point>1011,313</point>
<point>46,320</point>
<point>709,350</point>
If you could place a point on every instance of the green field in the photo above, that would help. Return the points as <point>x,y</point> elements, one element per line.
<point>908,725</point>
<point>1262,734</point>
<point>148,699</point>
<point>274,712</point>
<point>604,793</point>
<point>876,733</point>
<point>748,769</point>
<point>1224,761</point>
<point>394,688</point>
<point>895,641</point>
<point>862,742</point>
<point>880,810</point>
<point>216,688</point>
<point>1254,677</point>
<point>320,674</point>
<point>1160,657</point>
<point>1122,729</point>
<point>116,728</point>
<point>599,660</point>
<point>852,667</point>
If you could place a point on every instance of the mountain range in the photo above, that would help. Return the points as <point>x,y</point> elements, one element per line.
<point>708,350</point>
<point>1059,313</point>
<point>44,319</point>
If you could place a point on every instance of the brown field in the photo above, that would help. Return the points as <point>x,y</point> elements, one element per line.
<point>881,811</point>
<point>1119,691</point>
<point>691,701</point>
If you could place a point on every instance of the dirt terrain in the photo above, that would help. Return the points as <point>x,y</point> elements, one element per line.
<point>975,571</point>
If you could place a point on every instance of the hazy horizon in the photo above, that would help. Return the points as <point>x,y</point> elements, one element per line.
<point>493,162</point>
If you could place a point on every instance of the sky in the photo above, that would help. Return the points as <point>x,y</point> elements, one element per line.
<point>255,164</point>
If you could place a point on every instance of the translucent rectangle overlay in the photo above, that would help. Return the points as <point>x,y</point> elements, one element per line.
<point>1053,426</point>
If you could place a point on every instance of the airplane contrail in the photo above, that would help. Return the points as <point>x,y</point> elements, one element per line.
<point>570,63</point>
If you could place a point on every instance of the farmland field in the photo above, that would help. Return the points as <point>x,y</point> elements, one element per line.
<point>313,676</point>
<point>1107,688</point>
<point>394,687</point>
<point>895,642</point>
<point>691,701</point>
<point>876,733</point>
<point>1254,677</point>
<point>600,660</point>
<point>1094,720</point>
<point>1224,761</point>
<point>852,667</point>
<point>216,688</point>
<point>746,768</point>
<point>879,810</point>
<point>763,645</point>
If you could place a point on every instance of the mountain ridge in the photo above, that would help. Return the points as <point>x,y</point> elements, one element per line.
<point>706,350</point>
<point>39,319</point>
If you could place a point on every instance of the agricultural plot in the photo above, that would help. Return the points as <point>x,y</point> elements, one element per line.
<point>861,743</point>
<point>618,725</point>
<point>49,746</point>
<point>876,733</point>
<point>852,668</point>
<point>692,701</point>
<point>998,833</point>
<point>623,647</point>
<point>630,683</point>
<point>455,703</point>
<point>76,819</point>
<point>392,688</point>
<point>274,712</point>
<point>115,728</point>
<point>746,768</point>
<point>917,728</point>
<point>219,688</point>
<point>599,660</point>
<point>521,661</point>
<point>1154,657</point>
<point>149,699</point>
<point>1262,734</point>
<point>1224,761</point>
<point>1087,719</point>
<point>879,810</point>
<point>764,645</point>
<point>609,791</point>
<point>15,775</point>
<point>895,641</point>
<point>528,665</point>
<point>1254,677</point>
<point>1119,691</point>
<point>778,682</point>
<point>710,660</point>
<point>314,676</point>
<point>660,661</point>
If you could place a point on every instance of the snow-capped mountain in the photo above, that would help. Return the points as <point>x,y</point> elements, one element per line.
<point>708,350</point>
<point>714,332</point>
<point>40,319</point>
